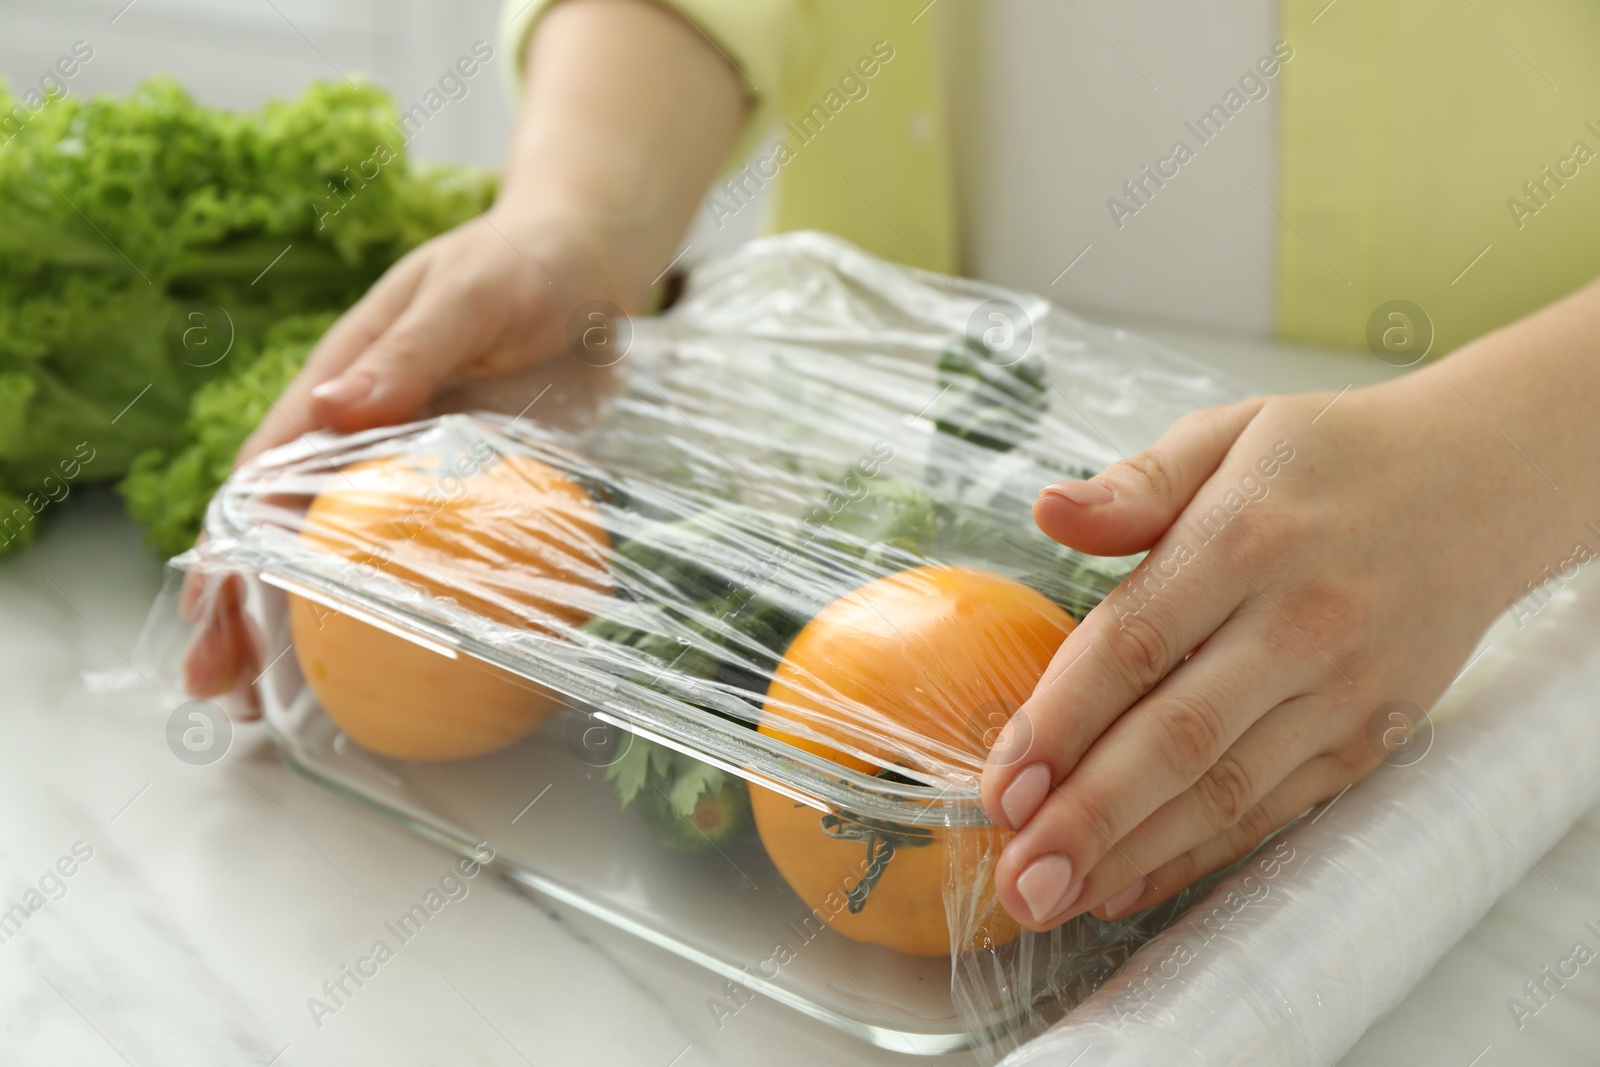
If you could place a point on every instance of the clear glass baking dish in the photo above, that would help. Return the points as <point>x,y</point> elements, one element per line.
<point>551,821</point>
<point>781,367</point>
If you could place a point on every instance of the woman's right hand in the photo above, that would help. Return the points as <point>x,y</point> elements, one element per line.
<point>488,298</point>
<point>627,112</point>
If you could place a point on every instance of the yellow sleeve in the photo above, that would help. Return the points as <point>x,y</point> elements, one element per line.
<point>875,173</point>
<point>765,40</point>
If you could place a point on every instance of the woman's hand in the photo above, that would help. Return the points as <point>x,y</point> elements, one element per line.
<point>628,111</point>
<point>1312,558</point>
<point>486,299</point>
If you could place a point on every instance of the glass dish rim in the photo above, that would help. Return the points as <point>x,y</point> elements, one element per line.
<point>740,749</point>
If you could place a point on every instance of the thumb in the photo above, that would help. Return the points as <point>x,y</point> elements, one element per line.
<point>1129,505</point>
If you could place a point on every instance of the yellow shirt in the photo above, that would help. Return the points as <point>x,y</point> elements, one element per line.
<point>850,89</point>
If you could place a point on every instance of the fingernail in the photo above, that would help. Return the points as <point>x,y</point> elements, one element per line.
<point>1047,886</point>
<point>345,389</point>
<point>1024,795</point>
<point>1084,494</point>
<point>1125,900</point>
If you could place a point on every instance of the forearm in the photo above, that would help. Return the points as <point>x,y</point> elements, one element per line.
<point>626,115</point>
<point>1528,395</point>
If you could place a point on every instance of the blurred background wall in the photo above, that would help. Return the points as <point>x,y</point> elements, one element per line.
<point>238,53</point>
<point>1054,104</point>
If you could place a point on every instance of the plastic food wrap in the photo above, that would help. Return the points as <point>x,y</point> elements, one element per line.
<point>731,616</point>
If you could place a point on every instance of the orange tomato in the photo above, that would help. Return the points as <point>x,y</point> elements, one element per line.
<point>508,537</point>
<point>942,653</point>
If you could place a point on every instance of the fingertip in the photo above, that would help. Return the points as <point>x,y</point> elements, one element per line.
<point>211,666</point>
<point>1055,514</point>
<point>342,404</point>
<point>192,593</point>
<point>1044,889</point>
<point>1100,517</point>
<point>346,390</point>
<point>362,399</point>
<point>1086,494</point>
<point>1080,526</point>
<point>248,706</point>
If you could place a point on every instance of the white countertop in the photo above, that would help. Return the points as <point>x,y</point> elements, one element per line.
<point>218,898</point>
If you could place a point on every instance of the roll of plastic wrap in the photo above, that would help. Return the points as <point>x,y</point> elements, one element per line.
<point>1291,958</point>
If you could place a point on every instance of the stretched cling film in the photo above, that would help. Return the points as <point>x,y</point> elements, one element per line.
<point>751,602</point>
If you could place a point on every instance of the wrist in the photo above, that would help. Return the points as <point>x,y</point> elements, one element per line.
<point>537,189</point>
<point>627,112</point>
<point>1494,437</point>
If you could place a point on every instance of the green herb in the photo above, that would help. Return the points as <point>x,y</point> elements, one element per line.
<point>631,769</point>
<point>686,804</point>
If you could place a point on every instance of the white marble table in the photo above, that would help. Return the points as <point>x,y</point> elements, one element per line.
<point>217,899</point>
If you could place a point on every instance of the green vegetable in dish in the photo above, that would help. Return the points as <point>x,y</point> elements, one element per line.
<point>720,595</point>
<point>893,516</point>
<point>900,517</point>
<point>688,560</point>
<point>665,635</point>
<point>734,579</point>
<point>988,402</point>
<point>152,250</point>
<point>687,805</point>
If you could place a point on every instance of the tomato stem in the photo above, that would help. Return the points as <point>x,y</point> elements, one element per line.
<point>881,845</point>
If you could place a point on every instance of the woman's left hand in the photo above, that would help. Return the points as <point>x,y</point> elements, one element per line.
<point>1312,560</point>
